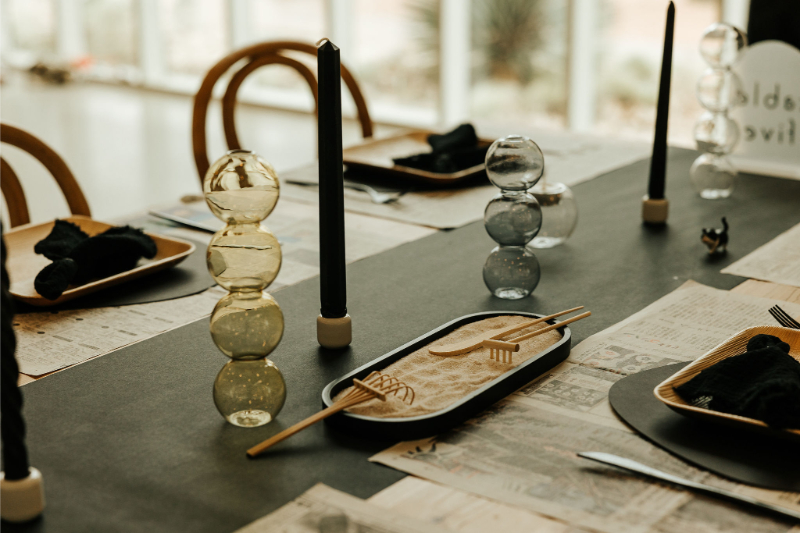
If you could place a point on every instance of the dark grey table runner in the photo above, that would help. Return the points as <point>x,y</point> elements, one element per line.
<point>132,442</point>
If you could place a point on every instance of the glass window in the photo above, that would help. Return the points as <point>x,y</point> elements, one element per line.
<point>632,43</point>
<point>519,61</point>
<point>33,25</point>
<point>394,54</point>
<point>298,20</point>
<point>273,20</point>
<point>112,31</point>
<point>195,33</point>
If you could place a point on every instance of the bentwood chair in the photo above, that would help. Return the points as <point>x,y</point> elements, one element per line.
<point>254,57</point>
<point>10,185</point>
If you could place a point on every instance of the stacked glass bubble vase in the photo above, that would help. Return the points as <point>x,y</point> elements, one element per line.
<point>244,258</point>
<point>716,133</point>
<point>513,218</point>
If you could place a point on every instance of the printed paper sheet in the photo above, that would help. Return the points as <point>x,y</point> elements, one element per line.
<point>522,450</point>
<point>48,341</point>
<point>296,225</point>
<point>569,159</point>
<point>777,261</point>
<point>322,509</point>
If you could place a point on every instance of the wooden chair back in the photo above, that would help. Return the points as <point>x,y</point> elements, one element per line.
<point>257,56</point>
<point>12,189</point>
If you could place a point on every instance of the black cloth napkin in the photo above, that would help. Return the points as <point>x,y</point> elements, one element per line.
<point>78,258</point>
<point>763,383</point>
<point>452,152</point>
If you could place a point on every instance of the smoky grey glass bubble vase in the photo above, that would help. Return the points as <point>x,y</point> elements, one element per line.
<point>513,218</point>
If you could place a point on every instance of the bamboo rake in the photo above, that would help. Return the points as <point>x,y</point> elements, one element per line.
<point>468,345</point>
<point>504,349</point>
<point>375,385</point>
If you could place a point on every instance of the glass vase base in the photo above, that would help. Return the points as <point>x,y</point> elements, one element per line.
<point>511,293</point>
<point>546,242</point>
<point>715,194</point>
<point>250,418</point>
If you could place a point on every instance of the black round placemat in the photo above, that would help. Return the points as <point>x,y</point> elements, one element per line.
<point>188,277</point>
<point>751,458</point>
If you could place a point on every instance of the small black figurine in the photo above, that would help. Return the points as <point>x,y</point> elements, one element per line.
<point>716,238</point>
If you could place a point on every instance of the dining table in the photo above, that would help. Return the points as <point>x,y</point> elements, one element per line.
<point>131,441</point>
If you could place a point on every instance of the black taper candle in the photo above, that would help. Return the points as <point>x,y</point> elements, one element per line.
<point>333,288</point>
<point>658,163</point>
<point>15,455</point>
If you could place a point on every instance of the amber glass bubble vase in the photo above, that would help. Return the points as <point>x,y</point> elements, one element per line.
<point>244,258</point>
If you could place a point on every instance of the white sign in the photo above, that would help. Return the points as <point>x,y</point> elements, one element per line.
<point>768,113</point>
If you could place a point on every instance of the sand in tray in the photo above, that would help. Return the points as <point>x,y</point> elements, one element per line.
<point>439,381</point>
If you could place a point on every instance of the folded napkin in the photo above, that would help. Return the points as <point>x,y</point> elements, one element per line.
<point>452,152</point>
<point>78,258</point>
<point>763,383</point>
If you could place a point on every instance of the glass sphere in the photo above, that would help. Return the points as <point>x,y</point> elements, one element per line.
<point>244,256</point>
<point>559,214</point>
<point>241,187</point>
<point>722,44</point>
<point>247,324</point>
<point>713,176</point>
<point>716,133</point>
<point>514,163</point>
<point>249,393</point>
<point>513,218</point>
<point>718,90</point>
<point>511,272</point>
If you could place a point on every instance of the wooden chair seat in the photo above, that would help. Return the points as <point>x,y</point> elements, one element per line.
<point>12,189</point>
<point>257,56</point>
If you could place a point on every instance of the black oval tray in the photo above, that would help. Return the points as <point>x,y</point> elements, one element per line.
<point>417,427</point>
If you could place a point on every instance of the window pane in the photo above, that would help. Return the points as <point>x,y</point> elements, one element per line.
<point>33,25</point>
<point>394,53</point>
<point>519,61</point>
<point>630,62</point>
<point>195,33</point>
<point>112,31</point>
<point>298,20</point>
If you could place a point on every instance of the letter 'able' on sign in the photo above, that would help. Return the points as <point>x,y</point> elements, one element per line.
<point>768,110</point>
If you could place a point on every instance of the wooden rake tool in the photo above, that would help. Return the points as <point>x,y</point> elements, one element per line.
<point>375,385</point>
<point>503,350</point>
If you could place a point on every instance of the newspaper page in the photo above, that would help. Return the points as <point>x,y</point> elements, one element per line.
<point>322,509</point>
<point>523,450</point>
<point>48,341</point>
<point>777,261</point>
<point>296,225</point>
<point>570,159</point>
<point>52,340</point>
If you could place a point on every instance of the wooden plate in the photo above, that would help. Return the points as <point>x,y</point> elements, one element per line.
<point>736,345</point>
<point>24,264</point>
<point>376,156</point>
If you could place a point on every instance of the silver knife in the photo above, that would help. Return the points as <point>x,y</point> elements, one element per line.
<point>639,468</point>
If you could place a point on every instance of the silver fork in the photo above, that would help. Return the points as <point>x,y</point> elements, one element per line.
<point>783,318</point>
